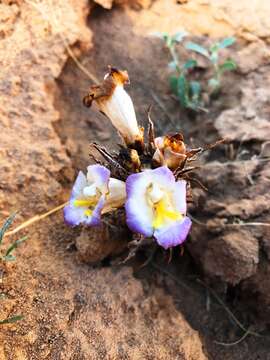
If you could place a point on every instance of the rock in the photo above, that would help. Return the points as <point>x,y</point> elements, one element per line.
<point>96,314</point>
<point>108,239</point>
<point>31,57</point>
<point>246,209</point>
<point>8,16</point>
<point>230,252</point>
<point>250,119</point>
<point>232,257</point>
<point>256,290</point>
<point>251,57</point>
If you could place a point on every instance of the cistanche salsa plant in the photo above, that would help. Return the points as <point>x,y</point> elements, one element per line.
<point>148,177</point>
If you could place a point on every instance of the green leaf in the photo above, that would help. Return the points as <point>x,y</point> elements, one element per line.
<point>12,319</point>
<point>12,247</point>
<point>190,64</point>
<point>182,87</point>
<point>6,225</point>
<point>8,258</point>
<point>228,65</point>
<point>169,42</point>
<point>197,48</point>
<point>173,84</point>
<point>179,36</point>
<point>195,89</point>
<point>226,42</point>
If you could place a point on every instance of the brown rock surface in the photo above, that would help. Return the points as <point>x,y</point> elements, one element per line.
<point>215,18</point>
<point>235,222</point>
<point>232,257</point>
<point>250,119</point>
<point>32,54</point>
<point>225,247</point>
<point>73,311</point>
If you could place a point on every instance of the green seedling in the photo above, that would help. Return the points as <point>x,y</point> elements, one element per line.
<point>7,255</point>
<point>188,92</point>
<point>11,319</point>
<point>212,54</point>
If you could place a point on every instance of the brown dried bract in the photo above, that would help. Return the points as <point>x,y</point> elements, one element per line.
<point>128,160</point>
<point>105,90</point>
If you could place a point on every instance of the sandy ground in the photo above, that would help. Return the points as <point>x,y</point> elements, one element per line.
<point>76,311</point>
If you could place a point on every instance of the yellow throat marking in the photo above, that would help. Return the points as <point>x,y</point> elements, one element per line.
<point>162,214</point>
<point>89,203</point>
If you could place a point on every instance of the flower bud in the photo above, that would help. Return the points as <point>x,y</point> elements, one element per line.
<point>170,151</point>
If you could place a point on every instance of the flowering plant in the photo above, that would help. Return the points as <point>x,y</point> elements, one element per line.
<point>148,177</point>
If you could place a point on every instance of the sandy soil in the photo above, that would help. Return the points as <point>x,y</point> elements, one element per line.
<point>76,311</point>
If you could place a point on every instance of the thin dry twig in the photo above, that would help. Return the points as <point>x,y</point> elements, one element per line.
<point>108,157</point>
<point>196,220</point>
<point>250,224</point>
<point>151,130</point>
<point>247,331</point>
<point>235,342</point>
<point>233,224</point>
<point>35,219</point>
<point>234,318</point>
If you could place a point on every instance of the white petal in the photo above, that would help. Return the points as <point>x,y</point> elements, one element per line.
<point>159,142</point>
<point>179,196</point>
<point>119,108</point>
<point>156,193</point>
<point>163,177</point>
<point>90,190</point>
<point>79,184</point>
<point>99,176</point>
<point>117,195</point>
<point>158,157</point>
<point>139,211</point>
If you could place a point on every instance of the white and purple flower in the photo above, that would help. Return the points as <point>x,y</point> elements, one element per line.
<point>92,195</point>
<point>156,206</point>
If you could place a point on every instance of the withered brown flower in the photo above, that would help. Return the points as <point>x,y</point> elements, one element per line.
<point>171,150</point>
<point>113,101</point>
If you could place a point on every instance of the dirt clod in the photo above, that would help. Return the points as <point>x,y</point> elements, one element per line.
<point>108,239</point>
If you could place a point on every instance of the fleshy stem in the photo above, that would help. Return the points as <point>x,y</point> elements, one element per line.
<point>175,58</point>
